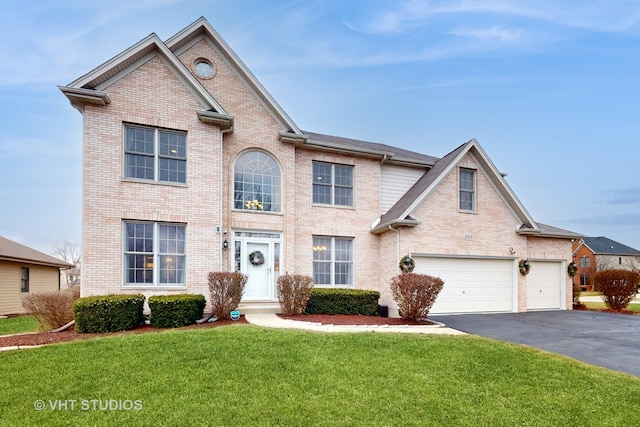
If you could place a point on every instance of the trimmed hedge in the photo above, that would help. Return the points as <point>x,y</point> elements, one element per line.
<point>108,313</point>
<point>173,311</point>
<point>343,301</point>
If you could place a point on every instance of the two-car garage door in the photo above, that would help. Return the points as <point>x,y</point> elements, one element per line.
<point>471,284</point>
<point>485,285</point>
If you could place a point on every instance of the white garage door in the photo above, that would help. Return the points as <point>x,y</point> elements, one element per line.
<point>471,284</point>
<point>544,285</point>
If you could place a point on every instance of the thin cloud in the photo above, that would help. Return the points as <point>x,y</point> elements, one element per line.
<point>627,196</point>
<point>496,33</point>
<point>611,17</point>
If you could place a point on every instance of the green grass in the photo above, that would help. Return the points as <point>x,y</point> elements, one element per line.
<point>603,306</point>
<point>16,325</point>
<point>244,375</point>
<point>590,293</point>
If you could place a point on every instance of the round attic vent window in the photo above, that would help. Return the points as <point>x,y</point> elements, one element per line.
<point>204,69</point>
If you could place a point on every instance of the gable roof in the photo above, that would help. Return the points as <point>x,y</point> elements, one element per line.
<point>89,89</point>
<point>400,213</point>
<point>604,246</point>
<point>15,252</point>
<point>202,28</point>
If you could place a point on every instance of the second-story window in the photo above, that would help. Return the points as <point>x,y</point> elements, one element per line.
<point>155,154</point>
<point>467,183</point>
<point>332,184</point>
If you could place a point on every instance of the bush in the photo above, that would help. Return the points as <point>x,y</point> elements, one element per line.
<point>226,291</point>
<point>108,313</point>
<point>343,301</point>
<point>294,292</point>
<point>415,294</point>
<point>173,311</point>
<point>618,287</point>
<point>51,309</point>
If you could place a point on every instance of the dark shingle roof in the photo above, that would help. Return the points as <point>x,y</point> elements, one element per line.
<point>417,189</point>
<point>12,251</point>
<point>355,145</point>
<point>604,246</point>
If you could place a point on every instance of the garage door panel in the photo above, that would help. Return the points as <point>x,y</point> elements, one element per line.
<point>470,285</point>
<point>544,285</point>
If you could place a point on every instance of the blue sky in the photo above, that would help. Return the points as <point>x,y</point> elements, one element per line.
<point>550,89</point>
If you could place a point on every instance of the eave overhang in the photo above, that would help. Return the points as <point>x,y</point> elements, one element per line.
<point>394,225</point>
<point>79,96</point>
<point>223,121</point>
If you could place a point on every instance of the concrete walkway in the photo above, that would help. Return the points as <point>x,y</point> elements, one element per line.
<point>270,320</point>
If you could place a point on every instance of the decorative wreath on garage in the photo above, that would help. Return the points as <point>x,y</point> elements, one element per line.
<point>407,264</point>
<point>256,258</point>
<point>524,266</point>
<point>572,269</point>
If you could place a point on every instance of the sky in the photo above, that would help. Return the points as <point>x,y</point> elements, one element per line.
<point>550,90</point>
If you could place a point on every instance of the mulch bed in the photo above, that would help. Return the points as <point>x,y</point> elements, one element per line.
<point>352,319</point>
<point>605,310</point>
<point>41,338</point>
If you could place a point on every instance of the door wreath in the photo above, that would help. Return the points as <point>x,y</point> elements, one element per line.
<point>256,258</point>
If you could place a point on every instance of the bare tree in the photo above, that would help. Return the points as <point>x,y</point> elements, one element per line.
<point>70,253</point>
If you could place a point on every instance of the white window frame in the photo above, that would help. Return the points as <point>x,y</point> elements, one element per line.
<point>332,184</point>
<point>465,190</point>
<point>24,279</point>
<point>155,257</point>
<point>333,261</point>
<point>156,154</point>
<point>267,167</point>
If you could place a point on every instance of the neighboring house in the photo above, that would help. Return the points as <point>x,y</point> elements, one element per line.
<point>24,271</point>
<point>190,166</point>
<point>592,254</point>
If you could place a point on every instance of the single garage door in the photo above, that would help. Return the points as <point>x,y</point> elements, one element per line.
<point>471,285</point>
<point>544,285</point>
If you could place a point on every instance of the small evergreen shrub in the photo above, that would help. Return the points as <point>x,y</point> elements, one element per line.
<point>108,313</point>
<point>226,291</point>
<point>343,301</point>
<point>294,292</point>
<point>173,311</point>
<point>618,287</point>
<point>51,309</point>
<point>415,294</point>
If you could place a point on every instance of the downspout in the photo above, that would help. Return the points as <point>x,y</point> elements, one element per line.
<point>221,211</point>
<point>397,240</point>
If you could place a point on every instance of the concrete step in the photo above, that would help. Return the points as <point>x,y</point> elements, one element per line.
<point>267,307</point>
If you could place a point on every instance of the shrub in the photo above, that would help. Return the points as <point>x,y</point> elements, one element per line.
<point>226,291</point>
<point>294,292</point>
<point>51,309</point>
<point>618,287</point>
<point>108,313</point>
<point>343,301</point>
<point>173,311</point>
<point>415,294</point>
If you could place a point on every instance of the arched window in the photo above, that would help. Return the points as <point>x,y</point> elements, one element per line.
<point>257,184</point>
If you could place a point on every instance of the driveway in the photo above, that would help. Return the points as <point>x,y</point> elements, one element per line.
<point>602,339</point>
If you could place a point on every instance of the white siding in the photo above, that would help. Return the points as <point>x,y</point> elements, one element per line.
<point>394,182</point>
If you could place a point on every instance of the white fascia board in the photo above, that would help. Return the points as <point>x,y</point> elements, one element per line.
<point>236,63</point>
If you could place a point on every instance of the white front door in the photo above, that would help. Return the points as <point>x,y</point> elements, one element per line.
<point>258,284</point>
<point>258,256</point>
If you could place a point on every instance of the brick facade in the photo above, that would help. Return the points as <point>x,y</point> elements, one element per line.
<point>152,93</point>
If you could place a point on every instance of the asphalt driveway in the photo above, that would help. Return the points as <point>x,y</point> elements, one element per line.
<point>602,339</point>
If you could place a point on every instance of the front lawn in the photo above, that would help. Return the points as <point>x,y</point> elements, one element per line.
<point>603,306</point>
<point>19,324</point>
<point>244,375</point>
